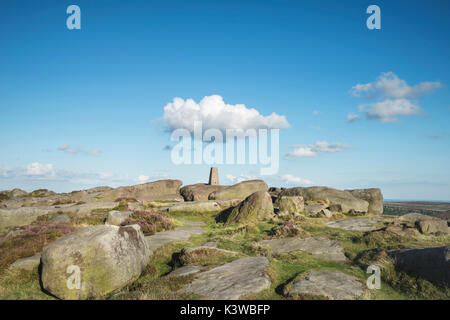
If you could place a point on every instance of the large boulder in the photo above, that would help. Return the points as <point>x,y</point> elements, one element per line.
<point>156,190</point>
<point>290,204</point>
<point>432,264</point>
<point>94,261</point>
<point>42,193</point>
<point>199,191</point>
<point>348,202</point>
<point>258,206</point>
<point>17,193</point>
<point>373,195</point>
<point>425,224</point>
<point>239,191</point>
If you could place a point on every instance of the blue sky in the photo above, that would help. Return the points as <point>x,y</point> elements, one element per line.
<point>81,108</point>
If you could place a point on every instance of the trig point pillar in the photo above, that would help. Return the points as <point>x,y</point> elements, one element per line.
<point>214,176</point>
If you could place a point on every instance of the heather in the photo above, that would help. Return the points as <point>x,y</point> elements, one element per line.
<point>29,240</point>
<point>150,221</point>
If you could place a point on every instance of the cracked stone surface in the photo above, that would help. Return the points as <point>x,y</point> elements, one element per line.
<point>232,280</point>
<point>320,247</point>
<point>330,284</point>
<point>358,224</point>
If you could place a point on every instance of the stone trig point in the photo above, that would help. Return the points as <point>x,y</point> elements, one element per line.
<point>214,177</point>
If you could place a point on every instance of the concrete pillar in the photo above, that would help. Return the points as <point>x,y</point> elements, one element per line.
<point>214,176</point>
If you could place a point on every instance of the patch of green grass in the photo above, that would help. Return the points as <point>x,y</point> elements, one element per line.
<point>21,285</point>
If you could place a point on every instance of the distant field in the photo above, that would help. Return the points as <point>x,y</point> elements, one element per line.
<point>441,209</point>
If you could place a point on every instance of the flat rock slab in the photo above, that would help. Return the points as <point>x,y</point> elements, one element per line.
<point>358,224</point>
<point>28,263</point>
<point>179,234</point>
<point>320,247</point>
<point>330,284</point>
<point>186,270</point>
<point>232,280</point>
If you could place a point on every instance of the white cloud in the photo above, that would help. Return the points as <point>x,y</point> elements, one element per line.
<point>313,150</point>
<point>302,152</point>
<point>239,178</point>
<point>290,179</point>
<point>66,148</point>
<point>215,113</point>
<point>143,178</point>
<point>39,169</point>
<point>389,85</point>
<point>393,95</point>
<point>389,110</point>
<point>351,117</point>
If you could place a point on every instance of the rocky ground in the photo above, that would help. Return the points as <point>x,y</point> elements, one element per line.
<point>246,241</point>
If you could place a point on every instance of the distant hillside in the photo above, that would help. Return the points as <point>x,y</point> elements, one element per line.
<point>424,207</point>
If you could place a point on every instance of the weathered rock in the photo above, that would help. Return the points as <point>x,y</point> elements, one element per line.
<point>159,239</point>
<point>17,193</point>
<point>115,217</point>
<point>373,196</point>
<point>331,196</point>
<point>85,209</point>
<point>156,190</point>
<point>425,224</point>
<point>256,207</point>
<point>186,270</point>
<point>433,227</point>
<point>195,206</point>
<point>330,284</point>
<point>28,264</point>
<point>232,280</point>
<point>107,257</point>
<point>318,210</point>
<point>320,247</point>
<point>60,218</point>
<point>290,204</point>
<point>413,217</point>
<point>356,224</point>
<point>199,191</point>
<point>225,204</point>
<point>42,193</point>
<point>239,191</point>
<point>21,216</point>
<point>432,264</point>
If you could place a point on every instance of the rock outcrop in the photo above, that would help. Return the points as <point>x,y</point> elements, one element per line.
<point>94,261</point>
<point>239,191</point>
<point>373,196</point>
<point>432,264</point>
<point>156,190</point>
<point>256,207</point>
<point>347,201</point>
<point>199,191</point>
<point>290,204</point>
